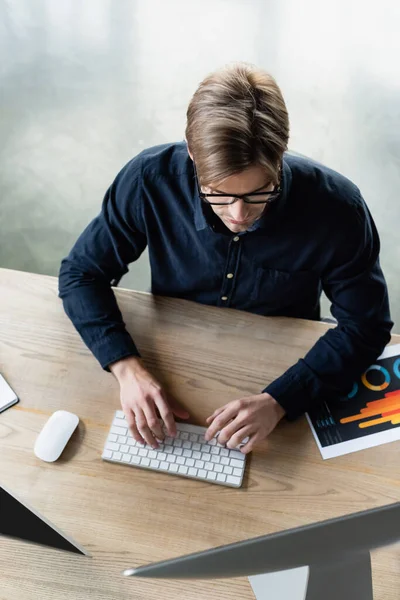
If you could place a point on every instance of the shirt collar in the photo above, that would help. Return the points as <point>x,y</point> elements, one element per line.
<point>202,220</point>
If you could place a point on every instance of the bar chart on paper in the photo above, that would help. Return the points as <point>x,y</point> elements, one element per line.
<point>368,416</point>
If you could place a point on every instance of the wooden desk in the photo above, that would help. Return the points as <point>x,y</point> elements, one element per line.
<point>124,516</point>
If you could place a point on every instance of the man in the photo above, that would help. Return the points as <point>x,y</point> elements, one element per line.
<point>230,219</point>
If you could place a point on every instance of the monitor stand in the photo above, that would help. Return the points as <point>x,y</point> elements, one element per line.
<point>349,578</point>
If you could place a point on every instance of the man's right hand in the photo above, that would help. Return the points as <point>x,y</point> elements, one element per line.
<point>141,396</point>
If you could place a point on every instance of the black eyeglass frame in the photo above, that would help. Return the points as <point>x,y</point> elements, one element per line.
<point>274,194</point>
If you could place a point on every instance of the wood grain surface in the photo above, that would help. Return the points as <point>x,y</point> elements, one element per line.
<point>124,516</point>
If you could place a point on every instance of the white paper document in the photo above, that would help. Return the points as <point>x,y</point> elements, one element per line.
<point>368,416</point>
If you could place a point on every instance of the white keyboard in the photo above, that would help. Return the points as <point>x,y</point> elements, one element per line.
<point>188,455</point>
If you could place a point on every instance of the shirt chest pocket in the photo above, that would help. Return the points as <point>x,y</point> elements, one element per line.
<point>280,289</point>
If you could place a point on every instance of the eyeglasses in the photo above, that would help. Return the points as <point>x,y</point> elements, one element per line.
<point>228,199</point>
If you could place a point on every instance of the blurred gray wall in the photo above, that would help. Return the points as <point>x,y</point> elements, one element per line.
<point>86,84</point>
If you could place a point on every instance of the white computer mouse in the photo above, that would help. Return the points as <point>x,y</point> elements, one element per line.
<point>54,436</point>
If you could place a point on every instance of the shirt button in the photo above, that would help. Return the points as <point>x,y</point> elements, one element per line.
<point>230,275</point>
<point>224,298</point>
<point>236,238</point>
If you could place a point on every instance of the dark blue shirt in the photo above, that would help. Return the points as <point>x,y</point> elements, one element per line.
<point>318,235</point>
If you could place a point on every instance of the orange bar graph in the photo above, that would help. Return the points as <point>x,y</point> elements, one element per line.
<point>387,408</point>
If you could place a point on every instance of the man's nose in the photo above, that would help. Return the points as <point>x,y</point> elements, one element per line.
<point>238,210</point>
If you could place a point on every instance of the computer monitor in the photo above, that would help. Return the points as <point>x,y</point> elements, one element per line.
<point>336,551</point>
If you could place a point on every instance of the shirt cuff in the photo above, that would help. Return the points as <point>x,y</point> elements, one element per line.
<point>114,347</point>
<point>292,391</point>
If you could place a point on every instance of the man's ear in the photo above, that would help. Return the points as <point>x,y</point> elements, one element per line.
<point>188,149</point>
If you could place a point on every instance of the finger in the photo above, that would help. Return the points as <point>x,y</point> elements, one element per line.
<point>144,430</point>
<point>215,414</point>
<point>153,421</point>
<point>166,415</point>
<point>254,439</point>
<point>238,437</point>
<point>230,411</point>
<point>230,429</point>
<point>130,419</point>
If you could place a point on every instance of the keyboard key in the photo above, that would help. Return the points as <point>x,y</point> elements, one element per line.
<point>209,466</point>
<point>215,459</point>
<point>215,450</point>
<point>236,454</point>
<point>142,452</point>
<point>145,462</point>
<point>168,449</point>
<point>236,472</point>
<point>164,466</point>
<point>196,447</point>
<point>152,454</point>
<point>117,455</point>
<point>236,463</point>
<point>120,422</point>
<point>196,455</point>
<point>180,460</point>
<point>126,458</point>
<point>184,444</point>
<point>112,437</point>
<point>199,464</point>
<point>224,460</point>
<point>221,477</point>
<point>173,468</point>
<point>189,462</point>
<point>187,453</point>
<point>171,458</point>
<point>107,454</point>
<point>223,451</point>
<point>182,469</point>
<point>211,475</point>
<point>120,414</point>
<point>201,473</point>
<point>169,441</point>
<point>193,437</point>
<point>178,451</point>
<point>135,460</point>
<point>161,456</point>
<point>183,435</point>
<point>202,439</point>
<point>133,450</point>
<point>122,439</point>
<point>192,472</point>
<point>228,470</point>
<point>234,480</point>
<point>155,464</point>
<point>177,443</point>
<point>112,446</point>
<point>124,449</point>
<point>205,448</point>
<point>206,457</point>
<point>218,468</point>
<point>131,441</point>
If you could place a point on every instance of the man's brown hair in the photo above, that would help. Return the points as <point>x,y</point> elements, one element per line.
<point>237,118</point>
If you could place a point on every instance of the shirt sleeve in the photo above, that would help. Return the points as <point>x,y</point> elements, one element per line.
<point>98,260</point>
<point>354,283</point>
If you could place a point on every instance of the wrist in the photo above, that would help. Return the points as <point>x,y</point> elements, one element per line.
<point>129,366</point>
<point>278,409</point>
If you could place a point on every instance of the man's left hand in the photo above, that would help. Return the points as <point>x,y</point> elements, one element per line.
<point>253,417</point>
